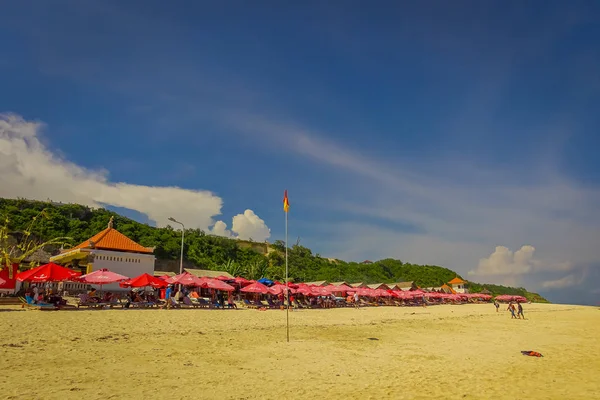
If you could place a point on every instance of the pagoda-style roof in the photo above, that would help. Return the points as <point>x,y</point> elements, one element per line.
<point>113,240</point>
<point>447,289</point>
<point>456,281</point>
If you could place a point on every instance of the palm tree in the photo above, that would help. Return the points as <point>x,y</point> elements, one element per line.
<point>14,251</point>
<point>257,269</point>
<point>233,268</point>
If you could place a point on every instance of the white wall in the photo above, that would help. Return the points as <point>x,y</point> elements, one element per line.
<point>460,288</point>
<point>128,264</point>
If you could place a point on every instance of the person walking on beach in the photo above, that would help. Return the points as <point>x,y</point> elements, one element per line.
<point>511,308</point>
<point>356,305</point>
<point>520,309</point>
<point>497,305</point>
<point>168,296</point>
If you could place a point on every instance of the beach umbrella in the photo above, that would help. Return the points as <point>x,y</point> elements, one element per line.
<point>256,287</point>
<point>185,279</point>
<point>143,281</point>
<point>223,278</point>
<point>305,290</point>
<point>265,281</point>
<point>215,284</point>
<point>2,281</point>
<point>102,277</point>
<point>48,273</point>
<point>276,289</point>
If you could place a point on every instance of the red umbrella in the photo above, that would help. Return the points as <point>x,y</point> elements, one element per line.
<point>47,273</point>
<point>144,280</point>
<point>276,289</point>
<point>223,278</point>
<point>102,277</point>
<point>320,291</point>
<point>241,280</point>
<point>2,281</point>
<point>305,290</point>
<point>215,284</point>
<point>256,287</point>
<point>185,279</point>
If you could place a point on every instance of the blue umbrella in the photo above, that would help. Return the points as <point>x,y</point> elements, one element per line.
<point>266,281</point>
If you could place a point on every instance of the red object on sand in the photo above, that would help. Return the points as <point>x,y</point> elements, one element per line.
<point>48,273</point>
<point>102,277</point>
<point>256,287</point>
<point>144,280</point>
<point>185,279</point>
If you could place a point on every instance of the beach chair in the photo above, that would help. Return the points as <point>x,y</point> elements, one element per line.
<point>28,303</point>
<point>190,304</point>
<point>250,305</point>
<point>174,302</point>
<point>85,302</point>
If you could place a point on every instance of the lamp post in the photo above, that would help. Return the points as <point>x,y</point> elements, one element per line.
<point>182,237</point>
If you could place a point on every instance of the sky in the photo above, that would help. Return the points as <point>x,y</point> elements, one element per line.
<point>461,134</point>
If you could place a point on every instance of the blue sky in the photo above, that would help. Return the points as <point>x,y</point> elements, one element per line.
<point>432,132</point>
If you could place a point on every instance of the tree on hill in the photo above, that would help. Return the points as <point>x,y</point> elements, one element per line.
<point>79,223</point>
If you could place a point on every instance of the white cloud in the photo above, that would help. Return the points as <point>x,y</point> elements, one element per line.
<point>244,226</point>
<point>220,229</point>
<point>504,262</point>
<point>454,210</point>
<point>30,170</point>
<point>567,281</point>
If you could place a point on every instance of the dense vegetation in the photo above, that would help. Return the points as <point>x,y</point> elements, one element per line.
<point>79,223</point>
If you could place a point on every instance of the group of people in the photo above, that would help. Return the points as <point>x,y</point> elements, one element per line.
<point>515,312</point>
<point>36,294</point>
<point>173,297</point>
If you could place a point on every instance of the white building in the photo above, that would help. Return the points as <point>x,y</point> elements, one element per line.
<point>108,249</point>
<point>458,285</point>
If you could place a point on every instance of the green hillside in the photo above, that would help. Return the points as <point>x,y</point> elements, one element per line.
<point>78,223</point>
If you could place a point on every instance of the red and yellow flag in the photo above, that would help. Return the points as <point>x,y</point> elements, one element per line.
<point>286,202</point>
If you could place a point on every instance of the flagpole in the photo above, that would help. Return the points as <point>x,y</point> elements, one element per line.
<point>287,283</point>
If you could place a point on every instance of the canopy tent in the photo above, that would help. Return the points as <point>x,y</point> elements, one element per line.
<point>48,273</point>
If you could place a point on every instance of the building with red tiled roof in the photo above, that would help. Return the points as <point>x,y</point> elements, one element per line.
<point>112,250</point>
<point>458,285</point>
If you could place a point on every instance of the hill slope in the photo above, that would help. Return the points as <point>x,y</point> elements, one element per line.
<point>212,252</point>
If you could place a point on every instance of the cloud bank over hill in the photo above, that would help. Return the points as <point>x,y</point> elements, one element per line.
<point>29,169</point>
<point>453,213</point>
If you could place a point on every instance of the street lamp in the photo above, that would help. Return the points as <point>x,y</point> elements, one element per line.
<point>182,236</point>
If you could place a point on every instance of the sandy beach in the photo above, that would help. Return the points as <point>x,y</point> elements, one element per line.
<point>449,352</point>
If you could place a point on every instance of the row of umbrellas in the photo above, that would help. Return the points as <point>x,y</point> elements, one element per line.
<point>55,273</point>
<point>307,290</point>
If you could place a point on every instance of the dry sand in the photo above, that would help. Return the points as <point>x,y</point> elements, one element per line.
<point>443,352</point>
